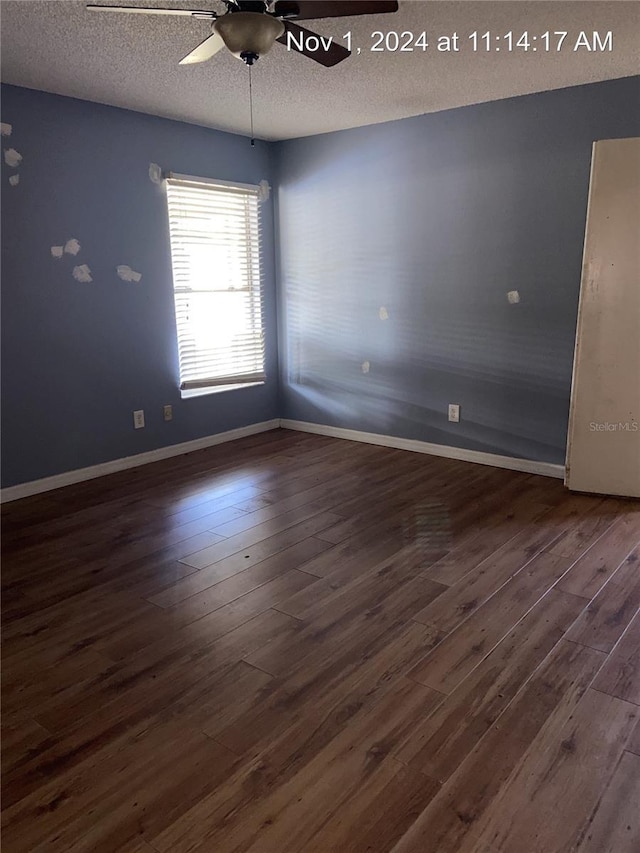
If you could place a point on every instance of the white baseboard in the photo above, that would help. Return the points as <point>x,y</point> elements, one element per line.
<point>529,466</point>
<point>35,487</point>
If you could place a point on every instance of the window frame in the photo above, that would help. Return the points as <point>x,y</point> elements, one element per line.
<point>198,388</point>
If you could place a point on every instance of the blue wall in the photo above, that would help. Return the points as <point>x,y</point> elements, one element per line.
<point>79,358</point>
<point>436,218</point>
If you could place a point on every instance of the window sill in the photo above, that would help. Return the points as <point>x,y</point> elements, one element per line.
<point>218,389</point>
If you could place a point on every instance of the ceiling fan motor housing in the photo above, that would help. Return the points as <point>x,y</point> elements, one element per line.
<point>260,6</point>
<point>248,35</point>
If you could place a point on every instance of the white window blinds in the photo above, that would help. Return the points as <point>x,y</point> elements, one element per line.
<point>215,251</point>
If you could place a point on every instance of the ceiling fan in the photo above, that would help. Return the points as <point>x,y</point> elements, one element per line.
<point>249,28</point>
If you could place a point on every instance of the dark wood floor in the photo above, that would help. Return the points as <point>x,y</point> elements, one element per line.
<point>295,643</point>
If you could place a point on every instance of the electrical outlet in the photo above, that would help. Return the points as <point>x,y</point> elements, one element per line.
<point>454,413</point>
<point>168,412</point>
<point>138,419</point>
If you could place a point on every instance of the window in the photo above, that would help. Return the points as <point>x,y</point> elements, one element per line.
<point>215,251</point>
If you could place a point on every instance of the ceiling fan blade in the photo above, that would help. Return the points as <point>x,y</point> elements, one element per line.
<point>335,54</point>
<point>205,50</point>
<point>307,10</point>
<point>146,10</point>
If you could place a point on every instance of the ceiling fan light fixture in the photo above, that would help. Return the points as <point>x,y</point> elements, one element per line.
<point>249,33</point>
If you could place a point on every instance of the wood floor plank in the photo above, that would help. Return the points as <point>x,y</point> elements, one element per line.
<point>129,701</point>
<point>328,685</point>
<point>137,845</point>
<point>40,687</point>
<point>634,740</point>
<point>365,548</point>
<point>614,826</point>
<point>263,596</point>
<point>620,676</point>
<point>21,737</point>
<point>604,621</point>
<point>235,498</point>
<point>290,815</point>
<point>81,576</point>
<point>451,818</point>
<point>440,744</point>
<point>128,545</point>
<point>378,814</point>
<point>462,650</point>
<point>339,700</point>
<point>465,597</point>
<point>324,495</point>
<point>57,637</point>
<point>528,527</point>
<point>182,625</point>
<point>592,570</point>
<point>242,553</point>
<point>596,521</point>
<point>349,623</point>
<point>153,576</point>
<point>242,688</point>
<point>396,499</point>
<point>316,520</point>
<point>90,812</point>
<point>165,675</point>
<point>505,492</point>
<point>172,530</point>
<point>562,776</point>
<point>150,575</point>
<point>354,581</point>
<point>267,686</point>
<point>250,578</point>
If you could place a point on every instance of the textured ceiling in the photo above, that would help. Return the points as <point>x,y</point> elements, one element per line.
<point>132,61</point>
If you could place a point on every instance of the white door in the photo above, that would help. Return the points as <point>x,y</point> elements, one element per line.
<point>603,447</point>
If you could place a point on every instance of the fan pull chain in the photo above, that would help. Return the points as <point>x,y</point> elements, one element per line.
<point>253,142</point>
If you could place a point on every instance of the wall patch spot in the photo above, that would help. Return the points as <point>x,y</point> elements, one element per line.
<point>366,366</point>
<point>513,296</point>
<point>12,157</point>
<point>14,180</point>
<point>383,313</point>
<point>72,247</point>
<point>127,274</point>
<point>263,192</point>
<point>5,128</point>
<point>155,173</point>
<point>82,273</point>
<point>57,251</point>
